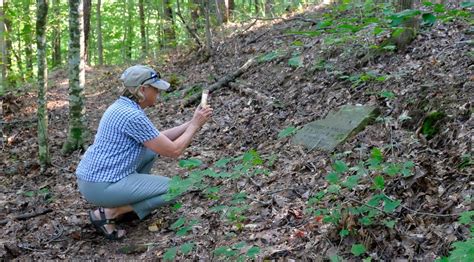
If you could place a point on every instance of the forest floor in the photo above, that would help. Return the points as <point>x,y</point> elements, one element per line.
<point>288,208</point>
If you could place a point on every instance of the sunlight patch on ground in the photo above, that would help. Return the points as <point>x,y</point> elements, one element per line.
<point>57,104</point>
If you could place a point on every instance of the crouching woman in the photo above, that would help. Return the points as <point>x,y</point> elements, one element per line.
<point>114,173</point>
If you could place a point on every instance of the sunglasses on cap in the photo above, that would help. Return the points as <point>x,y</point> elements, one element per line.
<point>153,76</point>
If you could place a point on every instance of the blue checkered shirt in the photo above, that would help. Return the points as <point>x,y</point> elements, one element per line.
<point>118,144</point>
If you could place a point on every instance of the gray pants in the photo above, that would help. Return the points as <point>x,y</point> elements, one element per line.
<point>142,191</point>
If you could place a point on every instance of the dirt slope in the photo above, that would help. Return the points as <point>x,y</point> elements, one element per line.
<point>434,73</point>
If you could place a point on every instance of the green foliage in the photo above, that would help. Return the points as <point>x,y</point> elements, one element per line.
<point>387,94</point>
<point>182,226</point>
<point>372,212</point>
<point>363,78</point>
<point>186,248</point>
<point>467,217</point>
<point>190,163</point>
<point>269,56</point>
<point>296,60</point>
<point>463,250</point>
<point>170,254</point>
<point>287,132</point>
<point>430,125</point>
<point>237,252</point>
<point>358,249</point>
<point>466,161</point>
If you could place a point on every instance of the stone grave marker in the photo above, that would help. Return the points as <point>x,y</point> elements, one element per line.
<point>327,133</point>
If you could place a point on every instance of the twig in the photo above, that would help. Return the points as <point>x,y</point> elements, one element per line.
<point>425,213</point>
<point>258,37</point>
<point>283,189</point>
<point>58,232</point>
<point>27,216</point>
<point>367,205</point>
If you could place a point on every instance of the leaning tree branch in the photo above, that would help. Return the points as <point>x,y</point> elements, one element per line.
<point>223,81</point>
<point>193,34</point>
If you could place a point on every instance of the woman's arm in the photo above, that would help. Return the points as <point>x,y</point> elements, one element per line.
<point>175,132</point>
<point>165,146</point>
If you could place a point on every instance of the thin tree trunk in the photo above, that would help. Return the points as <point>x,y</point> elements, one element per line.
<point>43,148</point>
<point>268,8</point>
<point>56,34</point>
<point>27,33</point>
<point>170,34</point>
<point>220,12</point>
<point>129,30</point>
<point>208,27</point>
<point>8,45</point>
<point>87,26</point>
<point>196,10</point>
<point>142,28</point>
<point>77,132</point>
<point>3,51</point>
<point>19,60</point>
<point>100,47</point>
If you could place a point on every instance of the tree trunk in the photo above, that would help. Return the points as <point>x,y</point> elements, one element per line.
<point>207,7</point>
<point>19,60</point>
<point>3,51</point>
<point>142,28</point>
<point>100,47</point>
<point>27,33</point>
<point>170,34</point>
<point>220,12</point>
<point>41,19</point>
<point>257,8</point>
<point>195,10</point>
<point>56,61</point>
<point>8,45</point>
<point>87,26</point>
<point>269,8</point>
<point>129,31</point>
<point>77,132</point>
<point>229,9</point>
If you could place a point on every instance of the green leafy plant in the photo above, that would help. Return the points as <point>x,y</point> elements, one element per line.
<point>270,56</point>
<point>463,251</point>
<point>296,60</point>
<point>185,249</point>
<point>237,252</point>
<point>373,211</point>
<point>358,249</point>
<point>287,132</point>
<point>182,226</point>
<point>190,163</point>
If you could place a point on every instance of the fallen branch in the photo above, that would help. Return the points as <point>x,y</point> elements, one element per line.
<point>27,216</point>
<point>223,81</point>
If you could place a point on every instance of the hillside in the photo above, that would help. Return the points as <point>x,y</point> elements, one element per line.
<point>288,208</point>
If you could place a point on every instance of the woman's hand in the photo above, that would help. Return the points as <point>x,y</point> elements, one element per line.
<point>201,116</point>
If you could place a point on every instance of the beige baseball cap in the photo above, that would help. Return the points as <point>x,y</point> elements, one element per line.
<point>138,75</point>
